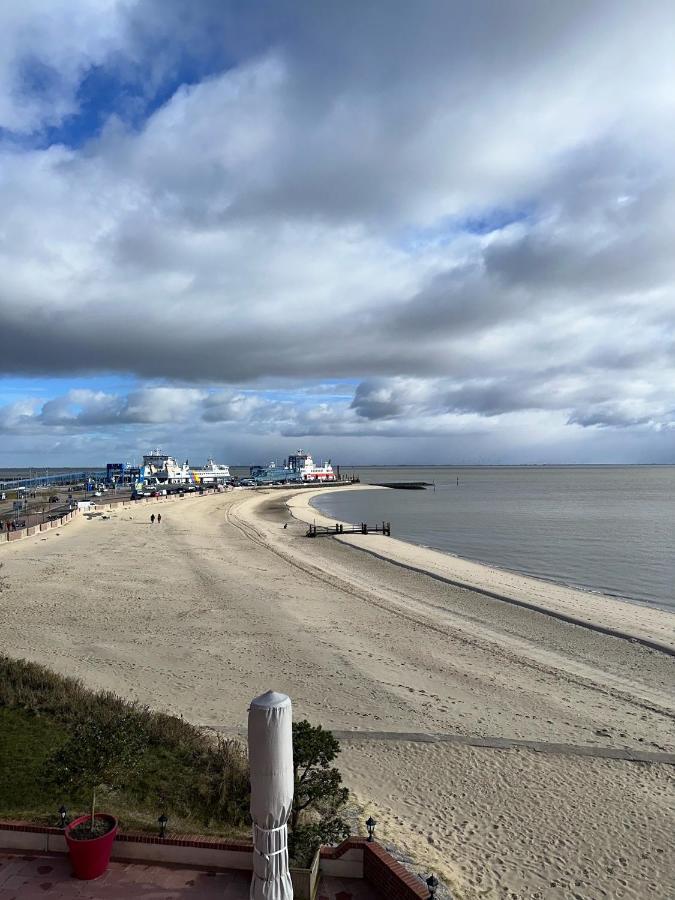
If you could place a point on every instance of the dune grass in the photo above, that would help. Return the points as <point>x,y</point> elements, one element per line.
<point>199,781</point>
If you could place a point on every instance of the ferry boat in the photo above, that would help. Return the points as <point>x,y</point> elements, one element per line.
<point>309,470</point>
<point>298,468</point>
<point>212,473</point>
<point>159,470</point>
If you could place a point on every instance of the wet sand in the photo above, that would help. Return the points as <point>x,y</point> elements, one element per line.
<point>221,602</point>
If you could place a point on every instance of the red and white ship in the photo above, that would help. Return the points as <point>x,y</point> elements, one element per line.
<point>298,467</point>
<point>308,470</point>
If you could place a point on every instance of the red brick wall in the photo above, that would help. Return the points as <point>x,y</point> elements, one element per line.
<point>350,843</point>
<point>389,878</point>
<point>205,842</point>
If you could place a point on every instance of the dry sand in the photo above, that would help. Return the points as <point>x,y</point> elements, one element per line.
<point>220,602</point>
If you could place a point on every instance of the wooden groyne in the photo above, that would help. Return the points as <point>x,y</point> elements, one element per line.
<point>340,528</point>
<point>405,485</point>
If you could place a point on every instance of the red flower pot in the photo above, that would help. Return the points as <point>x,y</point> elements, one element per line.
<point>90,857</point>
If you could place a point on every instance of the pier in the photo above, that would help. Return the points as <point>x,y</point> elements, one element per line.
<point>383,528</point>
<point>57,478</point>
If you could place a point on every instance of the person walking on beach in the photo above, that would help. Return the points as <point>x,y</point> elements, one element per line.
<point>152,519</point>
<point>159,518</point>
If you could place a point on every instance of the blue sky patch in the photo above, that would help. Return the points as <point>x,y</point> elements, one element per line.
<point>449,228</point>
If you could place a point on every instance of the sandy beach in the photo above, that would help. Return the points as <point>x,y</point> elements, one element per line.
<point>220,602</point>
<point>656,627</point>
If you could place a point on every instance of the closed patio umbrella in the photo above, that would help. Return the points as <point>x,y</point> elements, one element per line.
<point>270,753</point>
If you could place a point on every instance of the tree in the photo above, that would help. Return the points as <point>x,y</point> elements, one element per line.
<point>100,751</point>
<point>319,793</point>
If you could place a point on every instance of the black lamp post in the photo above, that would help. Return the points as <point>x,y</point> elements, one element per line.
<point>63,813</point>
<point>370,825</point>
<point>432,884</point>
<point>163,819</point>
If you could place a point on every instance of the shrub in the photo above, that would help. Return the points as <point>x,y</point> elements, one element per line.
<point>319,793</point>
<point>198,779</point>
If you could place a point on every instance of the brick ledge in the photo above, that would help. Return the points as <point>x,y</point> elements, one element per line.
<point>384,873</point>
<point>203,841</point>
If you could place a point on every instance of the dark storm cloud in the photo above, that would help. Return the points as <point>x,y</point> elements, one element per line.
<point>375,400</point>
<point>605,418</point>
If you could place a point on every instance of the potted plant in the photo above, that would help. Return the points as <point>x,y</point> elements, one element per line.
<point>97,753</point>
<point>318,797</point>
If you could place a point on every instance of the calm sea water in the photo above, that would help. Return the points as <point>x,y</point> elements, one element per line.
<point>609,529</point>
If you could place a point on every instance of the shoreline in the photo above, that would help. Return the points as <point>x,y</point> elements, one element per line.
<point>653,627</point>
<point>540,727</point>
<point>633,601</point>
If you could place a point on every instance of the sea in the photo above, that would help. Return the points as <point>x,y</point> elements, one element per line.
<point>609,529</point>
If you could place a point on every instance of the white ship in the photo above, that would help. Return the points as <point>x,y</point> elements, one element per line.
<point>308,470</point>
<point>212,473</point>
<point>299,467</point>
<point>159,470</point>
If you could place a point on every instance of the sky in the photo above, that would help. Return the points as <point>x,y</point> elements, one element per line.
<point>433,232</point>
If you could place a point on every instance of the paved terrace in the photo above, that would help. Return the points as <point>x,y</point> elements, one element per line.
<point>26,877</point>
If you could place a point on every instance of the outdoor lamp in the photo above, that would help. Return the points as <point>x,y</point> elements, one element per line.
<point>163,819</point>
<point>370,825</point>
<point>63,812</point>
<point>432,884</point>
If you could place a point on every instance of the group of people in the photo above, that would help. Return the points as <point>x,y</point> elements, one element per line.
<point>159,519</point>
<point>11,526</point>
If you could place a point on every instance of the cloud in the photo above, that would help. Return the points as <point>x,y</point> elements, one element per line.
<point>88,409</point>
<point>434,421</point>
<point>46,49</point>
<point>465,213</point>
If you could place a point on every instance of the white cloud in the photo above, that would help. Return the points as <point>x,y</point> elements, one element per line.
<point>310,214</point>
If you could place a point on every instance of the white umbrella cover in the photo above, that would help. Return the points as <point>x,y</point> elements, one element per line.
<point>270,754</point>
